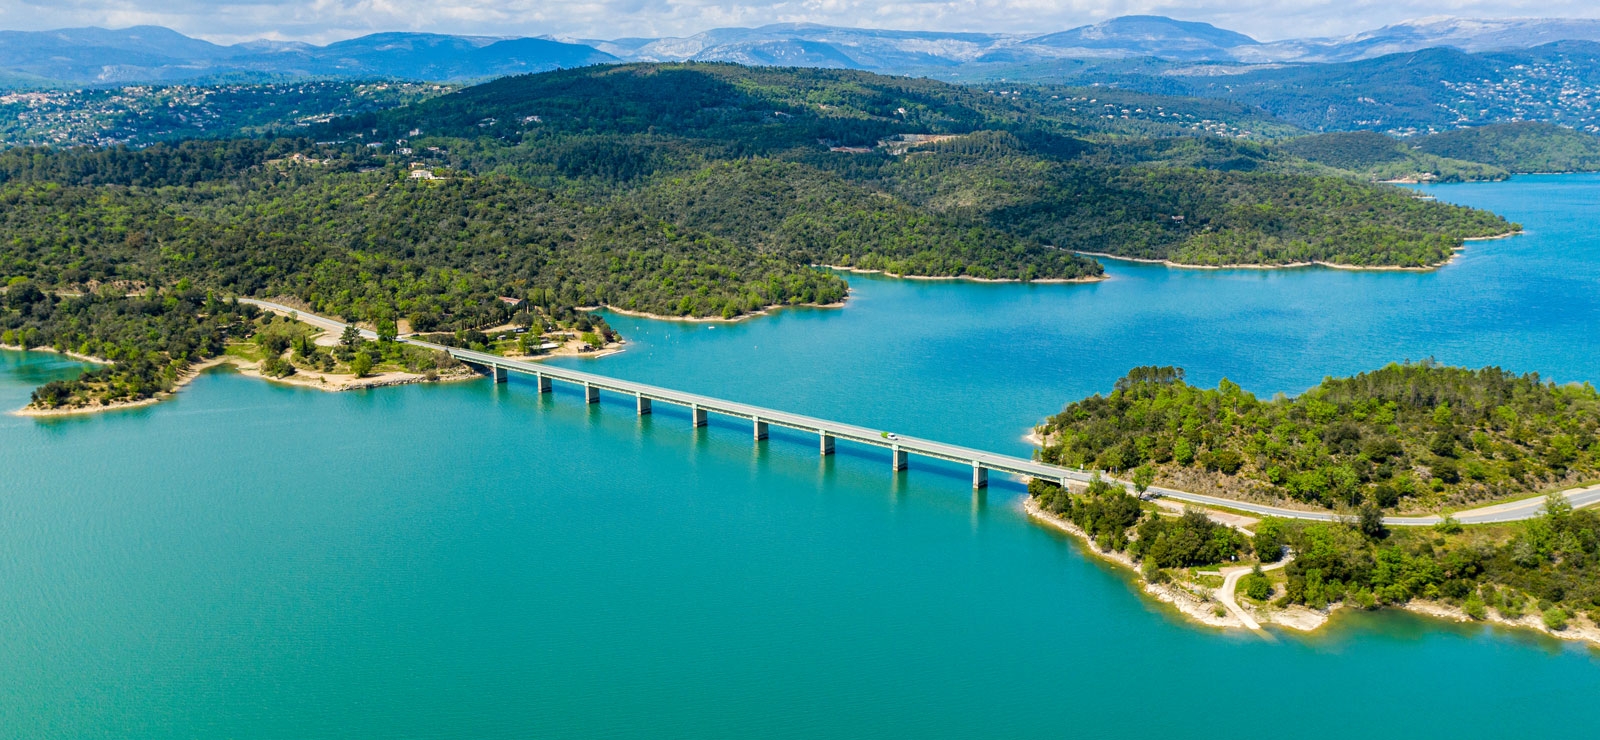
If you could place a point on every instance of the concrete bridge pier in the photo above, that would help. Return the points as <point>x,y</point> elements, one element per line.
<point>697,416</point>
<point>899,460</point>
<point>980,476</point>
<point>644,405</point>
<point>826,443</point>
<point>760,429</point>
<point>498,373</point>
<point>591,394</point>
<point>542,382</point>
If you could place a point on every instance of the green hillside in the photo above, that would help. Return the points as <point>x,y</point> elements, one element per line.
<point>1381,157</point>
<point>1518,147</point>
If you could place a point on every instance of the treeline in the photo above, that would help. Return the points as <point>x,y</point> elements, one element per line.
<point>1414,436</point>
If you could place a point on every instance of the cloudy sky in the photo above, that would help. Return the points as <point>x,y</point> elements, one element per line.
<point>322,21</point>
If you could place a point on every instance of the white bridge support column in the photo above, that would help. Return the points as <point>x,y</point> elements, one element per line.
<point>498,373</point>
<point>697,416</point>
<point>980,476</point>
<point>826,442</point>
<point>759,428</point>
<point>644,405</point>
<point>542,381</point>
<point>591,394</point>
<point>899,459</point>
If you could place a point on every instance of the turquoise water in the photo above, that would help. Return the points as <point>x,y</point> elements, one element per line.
<point>474,561</point>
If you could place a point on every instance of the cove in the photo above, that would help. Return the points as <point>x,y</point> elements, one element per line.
<point>470,560</point>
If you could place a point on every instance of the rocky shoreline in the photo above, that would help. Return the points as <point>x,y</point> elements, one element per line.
<point>1199,603</point>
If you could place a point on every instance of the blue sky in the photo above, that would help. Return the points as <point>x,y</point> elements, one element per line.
<point>330,20</point>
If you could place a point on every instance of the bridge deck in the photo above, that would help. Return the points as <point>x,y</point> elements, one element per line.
<point>838,430</point>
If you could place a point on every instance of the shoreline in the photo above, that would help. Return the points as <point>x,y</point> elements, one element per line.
<point>250,369</point>
<point>765,311</point>
<point>1196,606</point>
<point>1299,618</point>
<point>1455,253</point>
<point>969,278</point>
<point>73,355</point>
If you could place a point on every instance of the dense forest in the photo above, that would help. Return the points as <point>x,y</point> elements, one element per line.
<point>1411,437</point>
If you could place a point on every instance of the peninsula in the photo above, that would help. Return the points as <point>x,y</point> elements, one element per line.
<point>1406,437</point>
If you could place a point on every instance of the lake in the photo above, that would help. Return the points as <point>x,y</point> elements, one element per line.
<point>478,561</point>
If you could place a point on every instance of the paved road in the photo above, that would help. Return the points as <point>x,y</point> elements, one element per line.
<point>1506,512</point>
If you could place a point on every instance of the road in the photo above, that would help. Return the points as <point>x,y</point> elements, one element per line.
<point>1497,513</point>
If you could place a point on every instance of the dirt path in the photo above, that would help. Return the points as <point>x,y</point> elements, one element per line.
<point>1230,581</point>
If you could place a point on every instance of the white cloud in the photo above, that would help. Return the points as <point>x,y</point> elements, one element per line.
<point>329,20</point>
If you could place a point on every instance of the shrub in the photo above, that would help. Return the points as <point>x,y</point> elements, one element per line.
<point>1475,608</point>
<point>1555,618</point>
<point>276,367</point>
<point>361,365</point>
<point>1257,585</point>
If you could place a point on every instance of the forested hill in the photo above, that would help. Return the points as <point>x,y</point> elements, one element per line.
<point>1038,163</point>
<point>1411,437</point>
<point>1519,147</point>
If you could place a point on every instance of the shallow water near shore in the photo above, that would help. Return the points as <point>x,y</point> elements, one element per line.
<point>467,560</point>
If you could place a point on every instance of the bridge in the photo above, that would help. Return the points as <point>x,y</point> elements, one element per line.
<point>899,447</point>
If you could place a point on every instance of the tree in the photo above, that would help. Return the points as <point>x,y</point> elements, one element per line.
<point>388,331</point>
<point>351,338</point>
<point>1143,476</point>
<point>361,365</point>
<point>1271,536</point>
<point>1369,520</point>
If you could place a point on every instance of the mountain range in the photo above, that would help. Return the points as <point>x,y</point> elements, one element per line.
<point>97,56</point>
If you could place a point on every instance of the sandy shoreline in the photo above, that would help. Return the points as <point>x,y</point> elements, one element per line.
<point>1197,603</point>
<point>53,350</point>
<point>1314,263</point>
<point>765,311</point>
<point>968,278</point>
<point>306,378</point>
<point>186,378</point>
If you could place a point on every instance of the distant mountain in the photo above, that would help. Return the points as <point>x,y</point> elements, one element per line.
<point>1151,35</point>
<point>92,56</point>
<point>80,56</point>
<point>1466,34</point>
<point>811,45</point>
